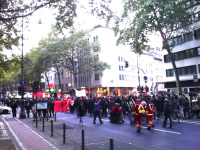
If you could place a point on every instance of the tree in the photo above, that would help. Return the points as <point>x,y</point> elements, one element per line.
<point>12,10</point>
<point>142,18</point>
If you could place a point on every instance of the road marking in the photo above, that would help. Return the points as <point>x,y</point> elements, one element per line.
<point>164,131</point>
<point>195,122</point>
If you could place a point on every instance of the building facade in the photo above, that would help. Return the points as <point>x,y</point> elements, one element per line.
<point>118,80</point>
<point>186,54</point>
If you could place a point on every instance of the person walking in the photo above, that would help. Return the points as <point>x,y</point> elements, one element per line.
<point>138,111</point>
<point>149,113</point>
<point>181,102</point>
<point>14,108</point>
<point>28,107</point>
<point>186,108</point>
<point>81,113</point>
<point>130,103</point>
<point>167,112</point>
<point>97,111</point>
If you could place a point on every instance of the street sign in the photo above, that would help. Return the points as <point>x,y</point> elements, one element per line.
<point>145,77</point>
<point>195,78</point>
<point>22,82</point>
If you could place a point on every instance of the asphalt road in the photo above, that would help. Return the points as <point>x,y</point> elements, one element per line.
<point>183,136</point>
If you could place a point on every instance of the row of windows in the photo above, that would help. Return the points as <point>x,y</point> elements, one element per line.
<point>182,71</point>
<point>185,37</point>
<point>121,59</point>
<point>126,77</point>
<point>67,75</point>
<point>194,52</point>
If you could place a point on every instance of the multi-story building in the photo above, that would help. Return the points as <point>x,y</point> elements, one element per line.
<point>187,58</point>
<point>118,80</point>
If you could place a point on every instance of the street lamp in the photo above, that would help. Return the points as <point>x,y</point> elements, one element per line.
<point>22,104</point>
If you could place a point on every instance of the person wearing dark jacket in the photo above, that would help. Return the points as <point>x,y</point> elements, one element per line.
<point>167,112</point>
<point>81,113</point>
<point>186,108</point>
<point>155,103</point>
<point>14,108</point>
<point>28,107</point>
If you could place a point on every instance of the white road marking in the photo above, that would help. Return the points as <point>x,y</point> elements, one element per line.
<point>187,121</point>
<point>164,131</point>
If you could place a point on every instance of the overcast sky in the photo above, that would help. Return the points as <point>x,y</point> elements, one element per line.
<point>37,31</point>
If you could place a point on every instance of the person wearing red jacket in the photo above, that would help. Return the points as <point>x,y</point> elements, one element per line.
<point>138,111</point>
<point>149,113</point>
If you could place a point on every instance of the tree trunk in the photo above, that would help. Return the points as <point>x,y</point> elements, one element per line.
<point>175,70</point>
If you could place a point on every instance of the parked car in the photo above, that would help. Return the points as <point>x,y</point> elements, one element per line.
<point>5,110</point>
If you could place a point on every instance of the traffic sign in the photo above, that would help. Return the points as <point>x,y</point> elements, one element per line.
<point>145,77</point>
<point>22,82</point>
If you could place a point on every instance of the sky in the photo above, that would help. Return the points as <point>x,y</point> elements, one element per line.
<point>37,31</point>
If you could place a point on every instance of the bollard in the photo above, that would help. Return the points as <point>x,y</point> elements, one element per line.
<point>36,121</point>
<point>51,127</point>
<point>64,133</point>
<point>83,140</point>
<point>43,124</point>
<point>111,144</point>
<point>55,116</point>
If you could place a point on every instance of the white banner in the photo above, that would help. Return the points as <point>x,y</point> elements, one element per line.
<point>80,93</point>
<point>41,106</point>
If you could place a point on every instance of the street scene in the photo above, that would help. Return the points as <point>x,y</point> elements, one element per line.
<point>99,74</point>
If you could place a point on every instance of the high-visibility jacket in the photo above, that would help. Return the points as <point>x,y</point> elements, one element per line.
<point>150,108</point>
<point>138,109</point>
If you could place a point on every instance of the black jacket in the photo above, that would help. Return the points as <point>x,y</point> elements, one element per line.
<point>167,107</point>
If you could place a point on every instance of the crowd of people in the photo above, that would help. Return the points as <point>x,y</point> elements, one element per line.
<point>132,106</point>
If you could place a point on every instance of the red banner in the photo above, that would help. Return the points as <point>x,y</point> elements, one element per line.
<point>62,105</point>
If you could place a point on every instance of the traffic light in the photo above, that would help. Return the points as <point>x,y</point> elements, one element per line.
<point>19,90</point>
<point>141,89</point>
<point>147,89</point>
<point>126,64</point>
<point>23,91</point>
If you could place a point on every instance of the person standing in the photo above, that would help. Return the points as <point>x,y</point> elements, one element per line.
<point>81,113</point>
<point>51,108</point>
<point>149,113</point>
<point>167,112</point>
<point>28,107</point>
<point>14,108</point>
<point>130,103</point>
<point>186,108</point>
<point>97,111</point>
<point>138,111</point>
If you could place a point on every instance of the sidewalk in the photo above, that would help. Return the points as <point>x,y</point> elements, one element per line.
<point>26,137</point>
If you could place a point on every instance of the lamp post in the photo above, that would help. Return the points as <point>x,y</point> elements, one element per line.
<point>22,104</point>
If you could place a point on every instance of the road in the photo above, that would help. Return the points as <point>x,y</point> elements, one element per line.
<point>182,136</point>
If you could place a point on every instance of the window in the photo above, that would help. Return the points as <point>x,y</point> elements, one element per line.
<point>198,51</point>
<point>199,67</point>
<point>177,40</point>
<point>187,53</point>
<point>122,59</point>
<point>97,38</point>
<point>169,72</point>
<point>167,59</point>
<point>193,52</point>
<point>181,55</point>
<point>122,69</point>
<point>196,16</point>
<point>197,34</point>
<point>67,74</point>
<point>119,68</point>
<point>177,56</point>
<point>67,89</point>
<point>188,37</point>
<point>96,76</point>
<point>120,77</point>
<point>118,58</point>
